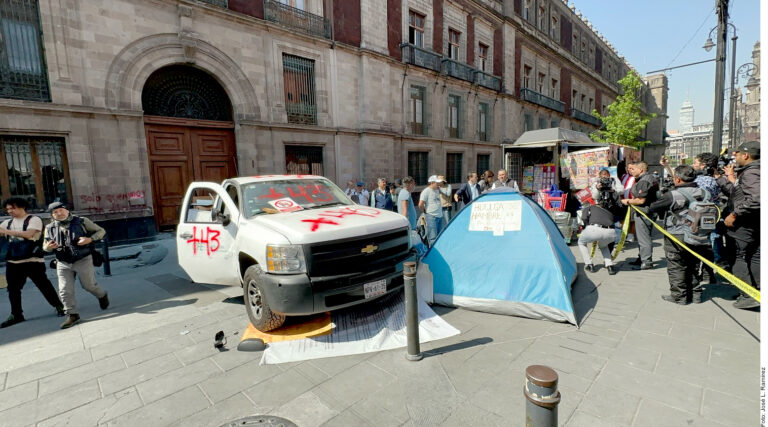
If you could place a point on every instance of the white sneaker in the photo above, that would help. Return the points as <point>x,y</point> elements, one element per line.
<point>630,237</point>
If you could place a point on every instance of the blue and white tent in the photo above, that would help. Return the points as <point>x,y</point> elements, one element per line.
<point>501,254</point>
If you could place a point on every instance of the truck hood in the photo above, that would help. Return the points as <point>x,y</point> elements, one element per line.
<point>340,222</point>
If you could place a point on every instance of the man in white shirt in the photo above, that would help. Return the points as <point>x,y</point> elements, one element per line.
<point>430,204</point>
<point>25,259</point>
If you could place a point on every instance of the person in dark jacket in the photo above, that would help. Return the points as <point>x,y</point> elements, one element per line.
<point>381,197</point>
<point>682,266</point>
<point>468,191</point>
<point>741,183</point>
<point>643,193</point>
<point>70,237</point>
<point>25,259</point>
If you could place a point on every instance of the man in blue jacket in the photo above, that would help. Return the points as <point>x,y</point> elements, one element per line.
<point>468,191</point>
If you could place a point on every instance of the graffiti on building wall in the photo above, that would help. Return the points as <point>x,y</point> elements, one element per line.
<point>96,202</point>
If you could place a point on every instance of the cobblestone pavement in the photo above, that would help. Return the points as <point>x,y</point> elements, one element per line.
<point>149,360</point>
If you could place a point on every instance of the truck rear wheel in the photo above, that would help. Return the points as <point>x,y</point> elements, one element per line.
<point>256,305</point>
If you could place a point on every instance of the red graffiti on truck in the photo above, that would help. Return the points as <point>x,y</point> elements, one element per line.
<point>208,237</point>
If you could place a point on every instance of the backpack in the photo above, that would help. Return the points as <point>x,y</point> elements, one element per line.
<point>699,220</point>
<point>24,249</point>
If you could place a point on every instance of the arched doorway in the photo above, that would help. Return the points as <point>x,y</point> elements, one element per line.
<point>188,123</point>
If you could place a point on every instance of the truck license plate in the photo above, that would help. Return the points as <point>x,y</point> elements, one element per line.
<point>375,289</point>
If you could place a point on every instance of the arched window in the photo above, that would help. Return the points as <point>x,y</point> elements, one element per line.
<point>185,92</point>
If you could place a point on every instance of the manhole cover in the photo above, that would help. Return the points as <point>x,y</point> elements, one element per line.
<point>260,420</point>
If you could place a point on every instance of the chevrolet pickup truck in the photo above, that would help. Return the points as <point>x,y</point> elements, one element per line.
<point>295,243</point>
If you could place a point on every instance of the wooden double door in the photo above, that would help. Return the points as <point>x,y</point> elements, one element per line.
<point>182,151</point>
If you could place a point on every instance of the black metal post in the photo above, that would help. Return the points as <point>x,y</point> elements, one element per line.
<point>732,109</point>
<point>411,312</point>
<point>107,267</point>
<point>717,122</point>
<point>541,396</point>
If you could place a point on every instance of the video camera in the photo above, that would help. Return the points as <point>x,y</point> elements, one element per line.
<point>724,160</point>
<point>605,184</point>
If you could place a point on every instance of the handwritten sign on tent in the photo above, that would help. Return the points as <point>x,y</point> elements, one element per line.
<point>497,217</point>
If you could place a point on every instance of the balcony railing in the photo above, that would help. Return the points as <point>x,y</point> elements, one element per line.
<point>420,57</point>
<point>544,101</point>
<point>220,3</point>
<point>458,70</point>
<point>303,114</point>
<point>584,117</point>
<point>297,19</point>
<point>487,80</point>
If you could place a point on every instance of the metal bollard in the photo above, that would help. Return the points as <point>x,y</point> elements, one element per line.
<point>411,312</point>
<point>107,267</point>
<point>541,396</point>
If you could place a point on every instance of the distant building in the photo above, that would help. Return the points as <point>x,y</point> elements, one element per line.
<point>748,113</point>
<point>686,117</point>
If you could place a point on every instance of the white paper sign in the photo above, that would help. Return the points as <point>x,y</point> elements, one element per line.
<point>285,205</point>
<point>497,217</point>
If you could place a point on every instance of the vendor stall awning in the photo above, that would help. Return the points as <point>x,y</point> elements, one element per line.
<point>553,136</point>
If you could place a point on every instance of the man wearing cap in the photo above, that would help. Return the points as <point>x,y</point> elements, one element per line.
<point>445,199</point>
<point>741,183</point>
<point>359,194</point>
<point>429,203</point>
<point>70,237</point>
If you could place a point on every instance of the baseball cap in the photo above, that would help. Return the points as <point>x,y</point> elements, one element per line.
<point>441,178</point>
<point>399,182</point>
<point>359,183</point>
<point>433,178</point>
<point>751,147</point>
<point>56,205</point>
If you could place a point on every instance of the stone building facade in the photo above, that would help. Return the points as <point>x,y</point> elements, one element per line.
<point>116,105</point>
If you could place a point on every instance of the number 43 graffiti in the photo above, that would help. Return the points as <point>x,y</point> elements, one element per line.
<point>209,238</point>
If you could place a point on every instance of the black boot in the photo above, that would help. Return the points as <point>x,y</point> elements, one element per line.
<point>611,270</point>
<point>590,268</point>
<point>12,320</point>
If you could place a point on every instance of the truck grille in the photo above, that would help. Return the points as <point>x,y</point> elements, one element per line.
<point>357,254</point>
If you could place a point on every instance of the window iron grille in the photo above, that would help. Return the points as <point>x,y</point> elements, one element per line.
<point>23,72</point>
<point>483,163</point>
<point>420,57</point>
<point>299,85</point>
<point>303,160</point>
<point>418,166</point>
<point>36,170</point>
<point>185,92</point>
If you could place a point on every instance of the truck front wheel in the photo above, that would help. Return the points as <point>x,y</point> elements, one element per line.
<point>256,305</point>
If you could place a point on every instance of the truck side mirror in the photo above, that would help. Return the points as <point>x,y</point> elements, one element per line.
<point>221,216</point>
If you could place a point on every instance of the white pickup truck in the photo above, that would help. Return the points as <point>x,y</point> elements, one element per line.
<point>295,243</point>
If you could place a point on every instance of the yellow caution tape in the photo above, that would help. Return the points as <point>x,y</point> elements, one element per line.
<point>743,286</point>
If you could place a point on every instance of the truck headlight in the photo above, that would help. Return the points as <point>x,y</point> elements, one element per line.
<point>285,259</point>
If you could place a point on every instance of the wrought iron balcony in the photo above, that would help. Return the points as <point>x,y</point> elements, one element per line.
<point>297,19</point>
<point>458,70</point>
<point>303,114</point>
<point>584,117</point>
<point>544,101</point>
<point>220,3</point>
<point>487,80</point>
<point>420,57</point>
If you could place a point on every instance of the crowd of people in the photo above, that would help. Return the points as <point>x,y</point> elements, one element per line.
<point>712,207</point>
<point>437,203</point>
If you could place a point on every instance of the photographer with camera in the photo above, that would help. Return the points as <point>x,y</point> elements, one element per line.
<point>382,196</point>
<point>688,210</point>
<point>644,192</point>
<point>71,238</point>
<point>598,221</point>
<point>741,183</point>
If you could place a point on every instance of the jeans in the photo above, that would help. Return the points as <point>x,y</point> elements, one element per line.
<point>717,246</point>
<point>434,225</point>
<point>447,216</point>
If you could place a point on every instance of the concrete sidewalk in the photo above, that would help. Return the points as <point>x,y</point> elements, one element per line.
<point>149,360</point>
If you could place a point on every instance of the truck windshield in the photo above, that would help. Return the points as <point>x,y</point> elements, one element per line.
<point>307,193</point>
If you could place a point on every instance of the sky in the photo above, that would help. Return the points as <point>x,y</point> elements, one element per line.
<point>655,34</point>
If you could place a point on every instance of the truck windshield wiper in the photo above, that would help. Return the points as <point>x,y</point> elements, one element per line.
<point>327,204</point>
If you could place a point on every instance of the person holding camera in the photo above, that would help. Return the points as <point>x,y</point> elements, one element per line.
<point>71,239</point>
<point>681,206</point>
<point>25,259</point>
<point>598,221</point>
<point>382,197</point>
<point>741,183</point>
<point>644,193</point>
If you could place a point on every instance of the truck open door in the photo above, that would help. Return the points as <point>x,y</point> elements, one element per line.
<point>205,236</point>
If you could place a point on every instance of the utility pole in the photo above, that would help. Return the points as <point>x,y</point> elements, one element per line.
<point>731,110</point>
<point>722,20</point>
